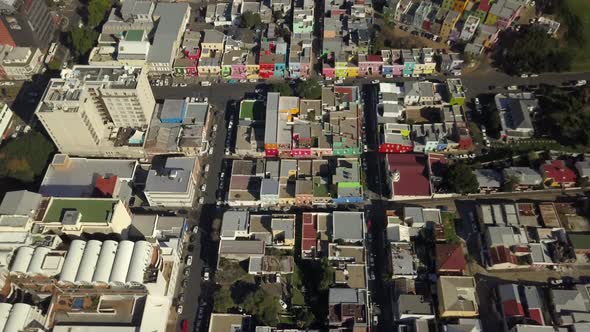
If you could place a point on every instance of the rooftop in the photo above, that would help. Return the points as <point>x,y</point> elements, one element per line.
<point>173,176</point>
<point>90,210</point>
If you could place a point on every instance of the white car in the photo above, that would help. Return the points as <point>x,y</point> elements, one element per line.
<point>227,152</point>
<point>179,309</point>
<point>533,75</point>
<point>283,304</point>
<point>207,168</point>
<point>189,260</point>
<point>252,80</point>
<point>375,82</point>
<point>512,87</point>
<point>581,82</point>
<point>243,81</point>
<point>339,82</point>
<point>204,187</point>
<point>195,229</point>
<point>524,75</point>
<point>366,148</point>
<point>183,85</point>
<point>210,150</point>
<point>206,276</point>
<point>388,76</point>
<point>215,127</point>
<point>174,85</point>
<point>205,83</point>
<point>201,200</point>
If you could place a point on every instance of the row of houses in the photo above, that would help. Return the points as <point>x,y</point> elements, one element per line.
<point>287,182</point>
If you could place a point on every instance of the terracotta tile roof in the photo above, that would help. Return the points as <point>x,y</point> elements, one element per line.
<point>449,257</point>
<point>558,171</point>
<point>413,179</point>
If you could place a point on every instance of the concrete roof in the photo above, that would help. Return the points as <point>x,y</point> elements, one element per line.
<point>241,247</point>
<point>171,19</point>
<point>234,221</point>
<point>414,304</point>
<point>488,178</point>
<point>348,225</point>
<point>345,295</point>
<point>20,202</point>
<point>458,294</point>
<point>229,322</point>
<point>174,176</point>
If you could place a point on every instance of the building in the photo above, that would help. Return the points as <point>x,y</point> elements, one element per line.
<point>26,23</point>
<point>515,114</point>
<point>489,180</point>
<point>457,297</point>
<point>81,177</point>
<point>172,182</point>
<point>229,322</point>
<point>456,91</point>
<point>5,120</point>
<point>408,176</point>
<point>106,110</point>
<point>348,226</point>
<point>557,174</point>
<point>570,305</point>
<point>347,307</point>
<point>525,178</point>
<point>22,63</point>
<point>450,259</point>
<point>469,28</point>
<point>75,216</point>
<point>412,306</point>
<point>171,20</point>
<point>21,317</point>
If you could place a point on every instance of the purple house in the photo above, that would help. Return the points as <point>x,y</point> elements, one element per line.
<point>370,65</point>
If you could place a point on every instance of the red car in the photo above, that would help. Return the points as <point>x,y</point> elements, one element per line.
<point>184,325</point>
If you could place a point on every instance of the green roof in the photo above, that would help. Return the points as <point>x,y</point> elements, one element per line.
<point>134,35</point>
<point>580,241</point>
<point>252,109</point>
<point>92,210</point>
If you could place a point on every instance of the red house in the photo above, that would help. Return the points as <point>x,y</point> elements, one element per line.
<point>450,259</point>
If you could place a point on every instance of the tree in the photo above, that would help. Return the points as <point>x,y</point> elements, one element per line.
<point>283,88</point>
<point>26,157</point>
<point>82,40</point>
<point>377,43</point>
<point>310,89</point>
<point>304,317</point>
<point>510,183</point>
<point>493,123</point>
<point>531,50</point>
<point>97,10</point>
<point>250,20</point>
<point>389,16</point>
<point>222,300</point>
<point>461,180</point>
<point>263,306</point>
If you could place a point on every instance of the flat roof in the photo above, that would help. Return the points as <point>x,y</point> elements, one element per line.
<point>174,176</point>
<point>91,210</point>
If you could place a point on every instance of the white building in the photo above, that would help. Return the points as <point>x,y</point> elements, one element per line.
<point>20,317</point>
<point>5,120</point>
<point>172,185</point>
<point>106,111</point>
<point>21,63</point>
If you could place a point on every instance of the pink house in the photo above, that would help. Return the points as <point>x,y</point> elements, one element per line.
<point>328,69</point>
<point>370,65</point>
<point>238,71</point>
<point>301,152</point>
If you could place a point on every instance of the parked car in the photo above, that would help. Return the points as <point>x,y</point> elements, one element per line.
<point>204,187</point>
<point>340,81</point>
<point>375,82</point>
<point>512,87</point>
<point>201,200</point>
<point>195,229</point>
<point>179,309</point>
<point>189,260</point>
<point>205,83</point>
<point>206,169</point>
<point>283,304</point>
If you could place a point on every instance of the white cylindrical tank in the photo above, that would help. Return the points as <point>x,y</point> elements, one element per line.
<point>72,262</point>
<point>88,263</point>
<point>121,264</point>
<point>18,317</point>
<point>36,265</point>
<point>104,266</point>
<point>21,261</point>
<point>4,314</point>
<point>139,262</point>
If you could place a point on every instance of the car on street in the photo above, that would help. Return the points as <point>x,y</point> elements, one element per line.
<point>210,150</point>
<point>375,320</point>
<point>183,85</point>
<point>205,83</point>
<point>375,82</point>
<point>581,82</point>
<point>181,298</point>
<point>201,200</point>
<point>339,82</point>
<point>206,276</point>
<point>204,187</point>
<point>184,283</point>
<point>512,87</point>
<point>179,309</point>
<point>189,260</point>
<point>215,127</point>
<point>555,282</point>
<point>195,229</point>
<point>187,271</point>
<point>524,75</point>
<point>206,169</point>
<point>533,75</point>
<point>184,325</point>
<point>283,304</point>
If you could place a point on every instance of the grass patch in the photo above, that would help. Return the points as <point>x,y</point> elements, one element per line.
<point>91,210</point>
<point>448,220</point>
<point>230,272</point>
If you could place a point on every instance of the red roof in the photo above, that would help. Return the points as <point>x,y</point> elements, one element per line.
<point>413,175</point>
<point>558,171</point>
<point>106,187</point>
<point>5,37</point>
<point>450,258</point>
<point>501,254</point>
<point>374,58</point>
<point>537,316</point>
<point>484,5</point>
<point>309,232</point>
<point>512,308</point>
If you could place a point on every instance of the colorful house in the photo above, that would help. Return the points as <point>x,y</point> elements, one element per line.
<point>300,58</point>
<point>395,138</point>
<point>482,10</point>
<point>234,65</point>
<point>503,13</point>
<point>456,91</point>
<point>449,24</point>
<point>272,59</point>
<point>370,65</point>
<point>409,63</point>
<point>557,174</point>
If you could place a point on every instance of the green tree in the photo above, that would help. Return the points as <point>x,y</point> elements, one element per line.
<point>510,183</point>
<point>97,10</point>
<point>222,300</point>
<point>82,41</point>
<point>263,306</point>
<point>250,20</point>
<point>493,123</point>
<point>310,89</point>
<point>26,157</point>
<point>475,133</point>
<point>461,180</point>
<point>283,88</point>
<point>304,317</point>
<point>531,51</point>
<point>388,16</point>
<point>377,43</point>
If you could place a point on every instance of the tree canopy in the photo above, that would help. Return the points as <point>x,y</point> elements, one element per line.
<point>250,20</point>
<point>461,180</point>
<point>310,89</point>
<point>263,306</point>
<point>82,40</point>
<point>97,10</point>
<point>26,157</point>
<point>531,50</point>
<point>283,88</point>
<point>222,300</point>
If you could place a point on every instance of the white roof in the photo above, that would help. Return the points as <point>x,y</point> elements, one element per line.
<point>88,263</point>
<point>104,265</point>
<point>21,261</point>
<point>72,263</point>
<point>121,264</point>
<point>18,317</point>
<point>155,314</point>
<point>139,262</point>
<point>36,264</point>
<point>4,314</point>
<point>86,328</point>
